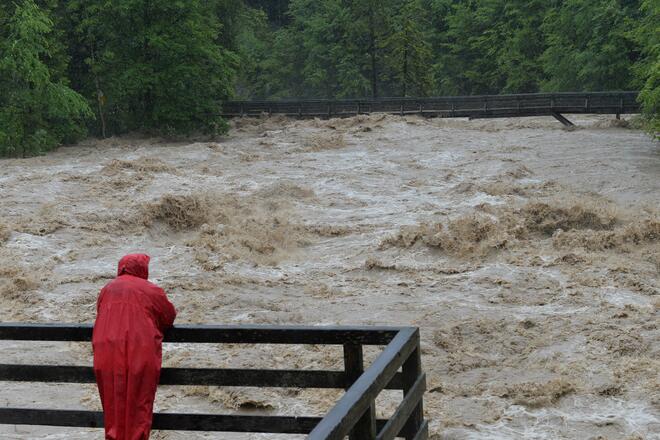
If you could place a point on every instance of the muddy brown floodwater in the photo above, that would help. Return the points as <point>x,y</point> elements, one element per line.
<point>527,254</point>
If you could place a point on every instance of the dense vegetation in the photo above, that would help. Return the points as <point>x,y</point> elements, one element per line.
<point>69,67</point>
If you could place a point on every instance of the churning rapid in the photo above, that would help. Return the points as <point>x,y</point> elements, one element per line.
<point>528,254</point>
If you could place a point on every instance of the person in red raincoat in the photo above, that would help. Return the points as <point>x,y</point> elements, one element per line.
<point>132,315</point>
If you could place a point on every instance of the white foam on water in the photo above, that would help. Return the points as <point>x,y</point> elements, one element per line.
<point>572,419</point>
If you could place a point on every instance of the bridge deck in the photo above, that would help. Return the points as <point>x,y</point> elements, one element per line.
<point>485,106</point>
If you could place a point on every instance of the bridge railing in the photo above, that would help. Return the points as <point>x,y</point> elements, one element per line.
<point>353,414</point>
<point>481,106</point>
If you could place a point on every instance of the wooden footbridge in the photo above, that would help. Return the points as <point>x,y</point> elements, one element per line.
<point>398,367</point>
<point>484,106</point>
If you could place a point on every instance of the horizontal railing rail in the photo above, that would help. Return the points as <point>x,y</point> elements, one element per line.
<point>353,415</point>
<point>194,376</point>
<point>217,334</point>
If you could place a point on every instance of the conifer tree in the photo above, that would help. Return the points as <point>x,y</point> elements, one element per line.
<point>588,46</point>
<point>408,49</point>
<point>367,32</point>
<point>468,61</point>
<point>520,44</point>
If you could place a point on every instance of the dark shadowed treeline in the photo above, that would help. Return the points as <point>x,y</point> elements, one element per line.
<point>109,67</point>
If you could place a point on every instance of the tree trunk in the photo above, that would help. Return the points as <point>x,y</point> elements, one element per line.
<point>147,97</point>
<point>372,50</point>
<point>100,97</point>
<point>405,71</point>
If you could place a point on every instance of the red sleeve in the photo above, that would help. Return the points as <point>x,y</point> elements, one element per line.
<point>164,311</point>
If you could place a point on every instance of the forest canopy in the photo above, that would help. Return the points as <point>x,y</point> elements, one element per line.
<point>69,68</point>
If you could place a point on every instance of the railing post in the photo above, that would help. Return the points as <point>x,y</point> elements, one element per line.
<point>412,369</point>
<point>365,428</point>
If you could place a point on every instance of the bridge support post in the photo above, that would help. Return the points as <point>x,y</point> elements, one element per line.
<point>561,118</point>
<point>365,428</point>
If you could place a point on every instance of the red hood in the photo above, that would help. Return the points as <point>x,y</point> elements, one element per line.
<point>134,264</point>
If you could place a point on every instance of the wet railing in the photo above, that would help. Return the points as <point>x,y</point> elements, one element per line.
<point>353,415</point>
<point>483,106</point>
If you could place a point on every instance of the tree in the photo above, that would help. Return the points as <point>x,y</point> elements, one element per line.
<point>467,63</point>
<point>314,55</point>
<point>368,31</point>
<point>160,64</point>
<point>284,68</point>
<point>38,111</point>
<point>647,34</point>
<point>408,49</point>
<point>254,47</point>
<point>589,47</point>
<point>520,44</point>
<point>331,66</point>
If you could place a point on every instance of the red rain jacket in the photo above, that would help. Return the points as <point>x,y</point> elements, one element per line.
<point>132,315</point>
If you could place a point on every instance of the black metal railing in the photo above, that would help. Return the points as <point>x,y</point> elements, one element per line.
<point>482,106</point>
<point>353,415</point>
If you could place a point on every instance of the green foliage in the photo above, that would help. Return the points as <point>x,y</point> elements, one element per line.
<point>367,33</point>
<point>518,58</point>
<point>158,64</point>
<point>489,46</point>
<point>468,63</point>
<point>336,48</point>
<point>647,34</point>
<point>588,46</point>
<point>327,58</point>
<point>38,111</point>
<point>275,10</point>
<point>253,46</point>
<point>408,49</point>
